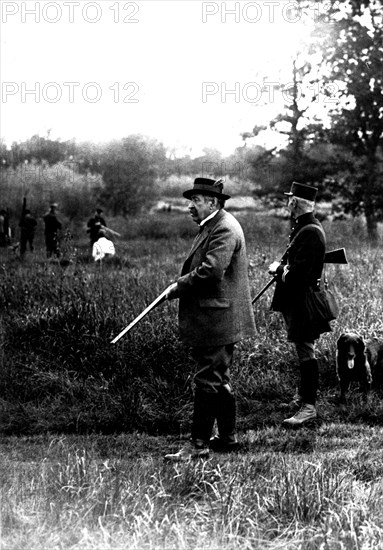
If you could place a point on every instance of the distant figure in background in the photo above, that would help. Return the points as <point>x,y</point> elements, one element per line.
<point>4,228</point>
<point>52,227</point>
<point>95,224</point>
<point>27,231</point>
<point>102,247</point>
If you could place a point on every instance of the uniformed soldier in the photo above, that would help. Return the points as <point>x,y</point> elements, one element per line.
<point>301,269</point>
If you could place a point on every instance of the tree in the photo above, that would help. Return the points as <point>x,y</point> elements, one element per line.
<point>129,168</point>
<point>38,150</point>
<point>301,130</point>
<point>301,127</point>
<point>353,53</point>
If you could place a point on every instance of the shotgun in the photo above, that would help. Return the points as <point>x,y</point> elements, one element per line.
<point>337,256</point>
<point>110,231</point>
<point>161,298</point>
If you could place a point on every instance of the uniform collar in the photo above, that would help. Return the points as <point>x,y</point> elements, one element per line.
<point>304,219</point>
<point>301,221</point>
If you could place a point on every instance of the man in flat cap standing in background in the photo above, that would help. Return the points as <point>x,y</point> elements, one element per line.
<point>301,268</point>
<point>215,312</point>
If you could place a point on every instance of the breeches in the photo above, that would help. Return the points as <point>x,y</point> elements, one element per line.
<point>305,351</point>
<point>213,367</point>
<point>305,346</point>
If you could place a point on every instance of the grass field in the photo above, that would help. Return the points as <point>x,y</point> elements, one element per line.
<point>85,424</point>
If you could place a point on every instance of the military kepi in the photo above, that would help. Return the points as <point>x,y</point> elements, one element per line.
<point>205,186</point>
<point>302,191</point>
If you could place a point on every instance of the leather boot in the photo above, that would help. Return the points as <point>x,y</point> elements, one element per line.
<point>306,414</point>
<point>226,421</point>
<point>204,415</point>
<point>309,381</point>
<point>308,392</point>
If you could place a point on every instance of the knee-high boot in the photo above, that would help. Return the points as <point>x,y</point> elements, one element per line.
<point>309,381</point>
<point>204,415</point>
<point>226,414</point>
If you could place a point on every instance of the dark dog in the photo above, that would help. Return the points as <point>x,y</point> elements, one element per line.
<point>374,352</point>
<point>353,363</point>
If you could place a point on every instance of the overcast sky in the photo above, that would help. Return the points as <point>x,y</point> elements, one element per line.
<point>103,70</point>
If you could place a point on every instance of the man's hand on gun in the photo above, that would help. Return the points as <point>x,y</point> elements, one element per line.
<point>171,292</point>
<point>273,267</point>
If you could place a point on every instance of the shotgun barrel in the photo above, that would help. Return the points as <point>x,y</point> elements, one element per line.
<point>110,232</point>
<point>263,290</point>
<point>161,298</point>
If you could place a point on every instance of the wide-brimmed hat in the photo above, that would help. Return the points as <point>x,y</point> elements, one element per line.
<point>302,191</point>
<point>205,186</point>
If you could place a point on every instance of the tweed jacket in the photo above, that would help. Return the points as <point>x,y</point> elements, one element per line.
<point>215,303</point>
<point>305,259</point>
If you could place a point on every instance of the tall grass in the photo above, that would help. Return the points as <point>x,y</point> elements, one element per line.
<point>109,488</point>
<point>116,492</point>
<point>60,372</point>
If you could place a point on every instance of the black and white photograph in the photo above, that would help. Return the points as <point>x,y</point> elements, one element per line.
<point>191,271</point>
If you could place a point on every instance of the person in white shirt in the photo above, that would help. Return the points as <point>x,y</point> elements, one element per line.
<point>102,247</point>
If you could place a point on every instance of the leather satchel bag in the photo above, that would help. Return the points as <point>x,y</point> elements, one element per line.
<point>321,304</point>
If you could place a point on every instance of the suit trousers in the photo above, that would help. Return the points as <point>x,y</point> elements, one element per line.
<point>213,367</point>
<point>213,399</point>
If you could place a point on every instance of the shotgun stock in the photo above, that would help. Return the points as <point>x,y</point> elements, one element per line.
<point>337,256</point>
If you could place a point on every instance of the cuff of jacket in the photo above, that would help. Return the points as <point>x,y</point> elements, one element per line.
<point>281,272</point>
<point>183,286</point>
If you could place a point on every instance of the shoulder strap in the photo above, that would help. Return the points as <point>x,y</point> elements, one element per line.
<point>320,229</point>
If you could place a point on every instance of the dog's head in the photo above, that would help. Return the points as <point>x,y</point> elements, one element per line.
<point>350,345</point>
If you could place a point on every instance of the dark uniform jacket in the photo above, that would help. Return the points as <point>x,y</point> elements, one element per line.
<point>215,303</point>
<point>304,259</point>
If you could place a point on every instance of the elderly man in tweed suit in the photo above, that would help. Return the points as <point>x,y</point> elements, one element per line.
<point>215,312</point>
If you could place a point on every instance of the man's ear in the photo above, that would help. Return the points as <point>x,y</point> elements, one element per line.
<point>213,202</point>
